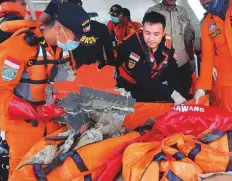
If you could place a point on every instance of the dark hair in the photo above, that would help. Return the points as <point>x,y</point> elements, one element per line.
<point>126,12</point>
<point>154,17</point>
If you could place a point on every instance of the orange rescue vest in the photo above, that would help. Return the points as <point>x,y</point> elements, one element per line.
<point>32,85</point>
<point>123,29</point>
<point>38,73</point>
<point>11,8</point>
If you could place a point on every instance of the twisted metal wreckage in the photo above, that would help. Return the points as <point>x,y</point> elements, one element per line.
<point>91,116</point>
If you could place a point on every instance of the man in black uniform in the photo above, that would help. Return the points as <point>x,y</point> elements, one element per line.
<point>101,51</point>
<point>146,63</point>
<point>98,48</point>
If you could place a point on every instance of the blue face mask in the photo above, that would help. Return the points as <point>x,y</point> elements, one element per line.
<point>69,46</point>
<point>115,19</point>
<point>218,8</point>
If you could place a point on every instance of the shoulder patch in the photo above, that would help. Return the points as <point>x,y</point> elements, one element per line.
<point>216,33</point>
<point>134,56</point>
<point>131,64</point>
<point>132,30</point>
<point>10,69</point>
<point>212,26</point>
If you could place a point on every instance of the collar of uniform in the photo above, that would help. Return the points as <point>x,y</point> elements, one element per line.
<point>176,8</point>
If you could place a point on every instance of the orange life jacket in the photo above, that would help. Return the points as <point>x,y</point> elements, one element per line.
<point>32,85</point>
<point>121,30</point>
<point>38,73</point>
<point>156,69</point>
<point>12,10</point>
<point>137,25</point>
<point>79,165</point>
<point>14,26</point>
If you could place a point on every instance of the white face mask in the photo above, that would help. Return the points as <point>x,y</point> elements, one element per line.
<point>69,46</point>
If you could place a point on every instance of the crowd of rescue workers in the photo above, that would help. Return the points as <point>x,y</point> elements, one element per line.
<point>154,60</point>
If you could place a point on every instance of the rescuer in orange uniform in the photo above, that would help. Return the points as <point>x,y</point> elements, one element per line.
<point>119,27</point>
<point>127,15</point>
<point>30,61</point>
<point>216,55</point>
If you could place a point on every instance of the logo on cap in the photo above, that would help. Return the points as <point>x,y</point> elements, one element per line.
<point>114,8</point>
<point>86,26</point>
<point>86,29</point>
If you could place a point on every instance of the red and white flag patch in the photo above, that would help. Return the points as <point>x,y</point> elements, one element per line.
<point>134,56</point>
<point>11,62</point>
<point>10,68</point>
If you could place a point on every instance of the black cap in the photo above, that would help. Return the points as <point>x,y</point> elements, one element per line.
<point>115,10</point>
<point>77,2</point>
<point>77,20</point>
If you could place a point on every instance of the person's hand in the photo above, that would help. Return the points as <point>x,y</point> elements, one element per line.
<point>178,99</point>
<point>199,93</point>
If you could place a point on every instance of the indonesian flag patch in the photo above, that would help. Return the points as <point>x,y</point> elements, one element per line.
<point>10,69</point>
<point>134,57</point>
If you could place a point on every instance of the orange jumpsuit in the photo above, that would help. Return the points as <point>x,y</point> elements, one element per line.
<point>124,29</point>
<point>20,61</point>
<point>216,53</point>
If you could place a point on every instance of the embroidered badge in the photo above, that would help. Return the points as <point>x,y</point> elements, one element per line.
<point>216,33</point>
<point>131,64</point>
<point>88,40</point>
<point>134,56</point>
<point>212,26</point>
<point>132,30</point>
<point>10,69</point>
